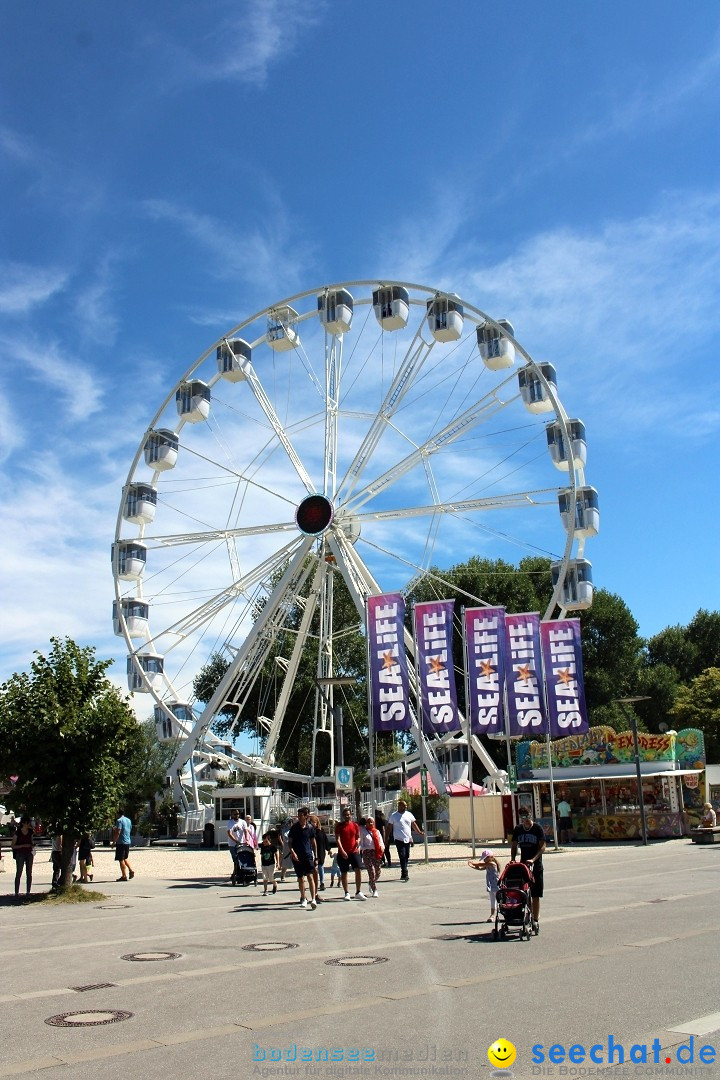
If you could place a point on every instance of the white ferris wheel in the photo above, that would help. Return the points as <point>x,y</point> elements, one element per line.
<point>369,430</point>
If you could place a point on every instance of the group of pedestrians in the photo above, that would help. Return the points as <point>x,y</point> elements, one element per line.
<point>303,846</point>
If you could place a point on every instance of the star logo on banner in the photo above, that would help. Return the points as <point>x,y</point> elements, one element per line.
<point>388,660</point>
<point>564,677</point>
<point>524,672</point>
<point>436,664</point>
<point>486,668</point>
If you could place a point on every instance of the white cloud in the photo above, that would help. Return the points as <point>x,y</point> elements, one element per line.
<point>93,305</point>
<point>257,255</point>
<point>11,434</point>
<point>242,46</point>
<point>77,386</point>
<point>25,287</point>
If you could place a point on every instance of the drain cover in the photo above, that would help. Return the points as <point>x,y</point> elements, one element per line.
<point>111,907</point>
<point>356,961</point>
<point>92,986</point>
<point>89,1018</point>
<point>270,946</point>
<point>148,957</point>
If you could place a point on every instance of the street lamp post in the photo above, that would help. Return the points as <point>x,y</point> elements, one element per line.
<point>630,715</point>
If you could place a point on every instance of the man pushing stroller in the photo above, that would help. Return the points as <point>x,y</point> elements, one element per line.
<point>530,838</point>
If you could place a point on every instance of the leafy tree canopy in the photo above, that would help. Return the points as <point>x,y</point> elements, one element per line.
<point>70,737</point>
<point>698,705</point>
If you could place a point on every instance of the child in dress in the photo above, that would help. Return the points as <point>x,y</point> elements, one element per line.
<point>491,866</point>
<point>269,861</point>
<point>334,872</point>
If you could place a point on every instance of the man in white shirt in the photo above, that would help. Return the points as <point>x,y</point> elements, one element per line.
<point>403,825</point>
<point>236,835</point>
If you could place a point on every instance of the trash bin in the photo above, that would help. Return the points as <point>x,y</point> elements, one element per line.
<point>209,835</point>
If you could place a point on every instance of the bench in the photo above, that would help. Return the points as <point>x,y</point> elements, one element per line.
<point>706,836</point>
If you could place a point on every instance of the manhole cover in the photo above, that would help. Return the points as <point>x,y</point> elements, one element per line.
<point>89,1018</point>
<point>356,961</point>
<point>149,957</point>
<point>270,946</point>
<point>446,937</point>
<point>92,986</point>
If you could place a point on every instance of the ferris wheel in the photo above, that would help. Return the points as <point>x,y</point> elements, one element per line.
<point>367,430</point>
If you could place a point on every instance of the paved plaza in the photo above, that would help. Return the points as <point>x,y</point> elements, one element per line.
<point>179,972</point>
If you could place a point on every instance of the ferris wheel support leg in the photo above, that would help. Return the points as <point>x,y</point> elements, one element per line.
<point>211,709</point>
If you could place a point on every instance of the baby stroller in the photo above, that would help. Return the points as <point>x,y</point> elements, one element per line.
<point>514,903</point>
<point>245,872</point>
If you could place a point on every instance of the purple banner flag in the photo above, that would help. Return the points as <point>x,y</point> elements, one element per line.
<point>485,651</point>
<point>562,660</point>
<point>523,676</point>
<point>387,661</point>
<point>436,673</point>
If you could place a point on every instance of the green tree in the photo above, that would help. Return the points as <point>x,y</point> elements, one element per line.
<point>612,652</point>
<point>698,706</point>
<point>68,734</point>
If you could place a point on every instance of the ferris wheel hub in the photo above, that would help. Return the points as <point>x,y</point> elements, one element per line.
<point>314,515</point>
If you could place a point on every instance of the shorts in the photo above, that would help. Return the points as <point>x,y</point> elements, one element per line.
<point>268,872</point>
<point>565,823</point>
<point>122,852</point>
<point>304,867</point>
<point>352,862</point>
<point>536,889</point>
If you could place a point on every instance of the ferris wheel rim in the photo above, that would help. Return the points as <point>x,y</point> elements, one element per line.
<point>575,475</point>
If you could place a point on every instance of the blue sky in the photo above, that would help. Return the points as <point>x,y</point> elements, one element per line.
<point>169,169</point>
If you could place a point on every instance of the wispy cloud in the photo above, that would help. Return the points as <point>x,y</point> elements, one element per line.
<point>659,104</point>
<point>240,46</point>
<point>80,390</point>
<point>96,316</point>
<point>258,255</point>
<point>23,287</point>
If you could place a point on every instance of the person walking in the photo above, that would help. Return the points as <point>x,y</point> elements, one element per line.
<point>403,825</point>
<point>372,849</point>
<point>269,861</point>
<point>121,839</point>
<point>491,866</point>
<point>381,824</point>
<point>236,832</point>
<point>23,849</point>
<point>529,837</point>
<point>85,857</point>
<point>347,836</point>
<point>303,852</point>
<point>321,840</point>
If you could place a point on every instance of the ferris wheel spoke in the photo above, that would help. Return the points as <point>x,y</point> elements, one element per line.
<point>267,407</point>
<point>333,370</point>
<point>457,428</point>
<point>194,620</point>
<point>540,497</point>
<point>211,535</point>
<point>407,372</point>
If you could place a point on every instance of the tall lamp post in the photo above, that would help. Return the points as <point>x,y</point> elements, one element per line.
<point>630,715</point>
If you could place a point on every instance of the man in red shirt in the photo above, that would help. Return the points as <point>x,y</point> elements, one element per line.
<point>347,834</point>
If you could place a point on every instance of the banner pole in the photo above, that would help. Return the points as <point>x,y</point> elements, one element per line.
<point>421,739</point>
<point>371,726</point>
<point>471,791</point>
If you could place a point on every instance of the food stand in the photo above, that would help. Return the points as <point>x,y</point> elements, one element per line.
<point>595,773</point>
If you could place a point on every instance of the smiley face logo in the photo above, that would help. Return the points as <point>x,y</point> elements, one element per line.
<point>502,1053</point>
